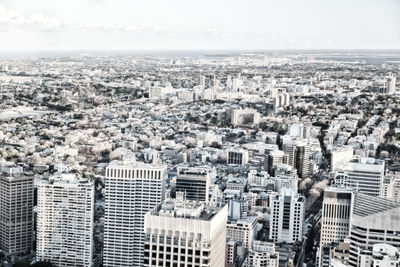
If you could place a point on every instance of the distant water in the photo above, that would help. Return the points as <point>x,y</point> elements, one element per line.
<point>367,56</point>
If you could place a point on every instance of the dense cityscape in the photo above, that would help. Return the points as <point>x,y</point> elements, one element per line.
<point>266,158</point>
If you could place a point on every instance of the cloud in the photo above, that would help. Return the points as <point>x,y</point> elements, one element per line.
<point>212,31</point>
<point>10,17</point>
<point>44,22</point>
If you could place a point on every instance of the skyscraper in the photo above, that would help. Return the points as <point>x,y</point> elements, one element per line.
<point>185,233</point>
<point>336,212</point>
<point>302,162</point>
<point>335,221</point>
<point>131,191</point>
<point>290,151</point>
<point>65,221</point>
<point>194,183</point>
<point>16,210</point>
<point>287,216</point>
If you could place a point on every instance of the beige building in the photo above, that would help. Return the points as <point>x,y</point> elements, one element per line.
<point>336,214</point>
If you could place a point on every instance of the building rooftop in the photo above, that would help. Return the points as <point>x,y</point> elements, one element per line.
<point>368,161</point>
<point>365,205</point>
<point>182,208</point>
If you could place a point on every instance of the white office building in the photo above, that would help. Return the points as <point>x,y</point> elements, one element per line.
<point>287,216</point>
<point>65,221</point>
<point>132,189</point>
<point>336,214</point>
<point>335,220</point>
<point>243,230</point>
<point>364,175</point>
<point>185,233</point>
<point>262,254</point>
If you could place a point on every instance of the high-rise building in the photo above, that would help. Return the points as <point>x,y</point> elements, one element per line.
<point>302,163</point>
<point>237,156</point>
<point>243,230</point>
<point>336,212</point>
<point>16,211</point>
<point>194,183</point>
<point>131,191</point>
<point>65,221</point>
<point>335,221</point>
<point>390,85</point>
<point>290,151</point>
<point>274,158</point>
<point>303,130</point>
<point>298,156</point>
<point>287,216</point>
<point>364,175</point>
<point>234,253</point>
<point>202,81</point>
<point>262,254</point>
<point>374,220</point>
<point>185,233</point>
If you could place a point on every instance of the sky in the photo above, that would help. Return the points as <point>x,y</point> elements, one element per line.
<point>199,24</point>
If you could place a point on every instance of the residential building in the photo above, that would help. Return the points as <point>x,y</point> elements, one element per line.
<point>65,221</point>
